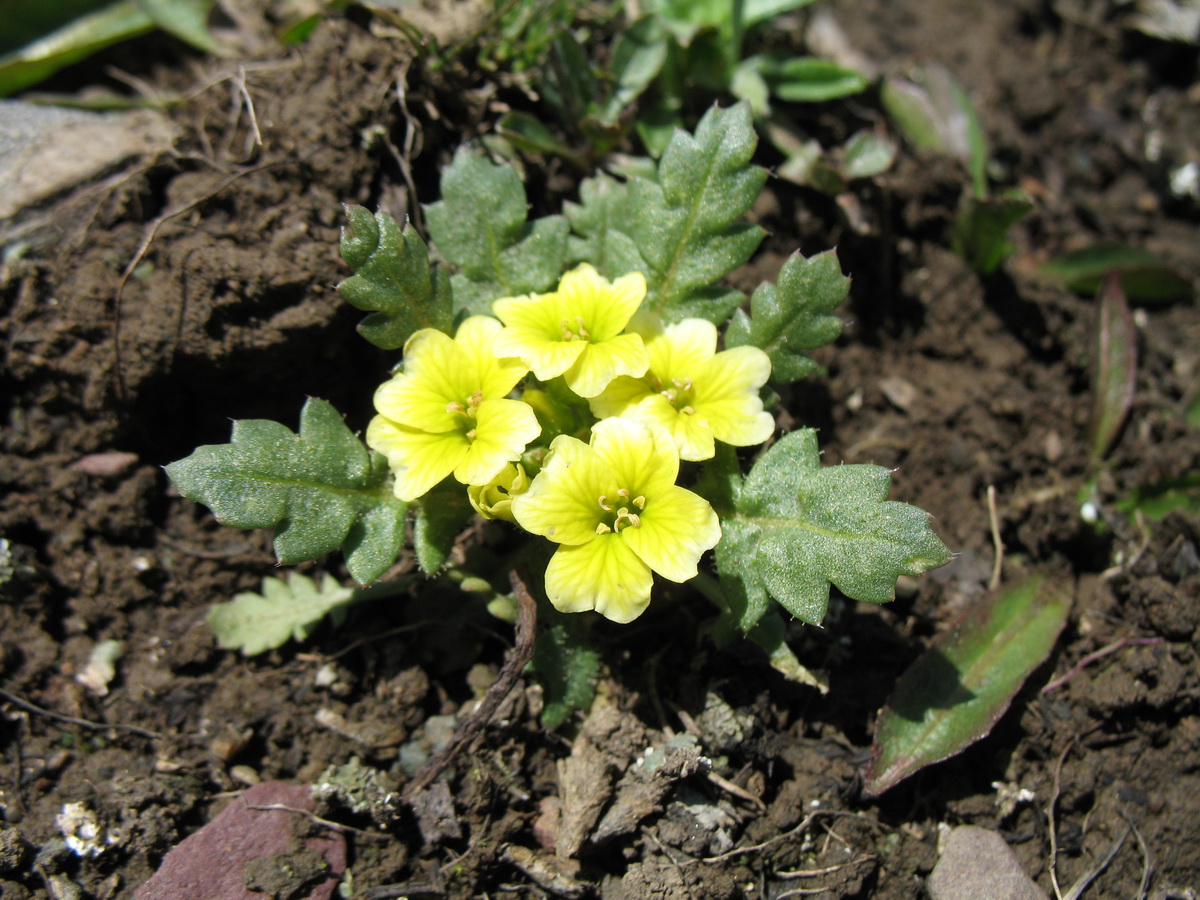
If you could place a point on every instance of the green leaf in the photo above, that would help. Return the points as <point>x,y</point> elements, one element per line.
<point>793,317</point>
<point>807,79</point>
<point>935,114</point>
<point>567,82</point>
<point>71,43</point>
<point>686,223</point>
<point>637,57</point>
<point>960,687</point>
<point>531,135</point>
<point>321,489</point>
<point>770,633</point>
<point>1158,498</point>
<point>603,210</point>
<point>285,610</point>
<point>567,666</point>
<point>479,226</point>
<point>866,155</point>
<point>755,11</point>
<point>1114,373</point>
<point>1144,277</point>
<point>441,517</point>
<point>393,278</point>
<point>186,20</point>
<point>980,233</point>
<point>798,528</point>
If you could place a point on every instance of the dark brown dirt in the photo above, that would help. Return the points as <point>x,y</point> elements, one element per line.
<point>958,382</point>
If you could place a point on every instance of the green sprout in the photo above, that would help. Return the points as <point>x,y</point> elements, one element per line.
<point>565,377</point>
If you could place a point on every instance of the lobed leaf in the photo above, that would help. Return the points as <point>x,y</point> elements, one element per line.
<point>392,278</point>
<point>960,687</point>
<point>597,220</point>
<point>798,528</point>
<point>285,610</point>
<point>788,319</point>
<point>685,223</point>
<point>320,489</point>
<point>479,227</point>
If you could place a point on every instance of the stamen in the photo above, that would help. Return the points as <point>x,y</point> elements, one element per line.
<point>455,407</point>
<point>604,506</point>
<point>471,435</point>
<point>670,394</point>
<point>635,520</point>
<point>475,399</point>
<point>601,528</point>
<point>639,502</point>
<point>623,493</point>
<point>684,384</point>
<point>688,411</point>
<point>583,332</point>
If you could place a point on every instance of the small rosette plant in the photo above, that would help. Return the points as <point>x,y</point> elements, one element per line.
<point>587,378</point>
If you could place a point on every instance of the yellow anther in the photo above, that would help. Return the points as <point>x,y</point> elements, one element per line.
<point>635,520</point>
<point>601,528</point>
<point>604,506</point>
<point>455,407</point>
<point>688,411</point>
<point>475,399</point>
<point>639,502</point>
<point>682,383</point>
<point>471,435</point>
<point>623,493</point>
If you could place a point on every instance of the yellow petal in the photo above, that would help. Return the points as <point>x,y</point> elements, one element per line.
<point>676,528</point>
<point>600,363</point>
<point>604,575</point>
<point>562,503</point>
<point>533,333</point>
<point>641,458</point>
<point>493,375</point>
<point>621,394</point>
<point>727,396</point>
<point>605,307</point>
<point>418,459</point>
<point>682,350</point>
<point>436,373</point>
<point>502,429</point>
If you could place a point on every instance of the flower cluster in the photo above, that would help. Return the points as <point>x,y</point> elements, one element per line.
<point>589,456</point>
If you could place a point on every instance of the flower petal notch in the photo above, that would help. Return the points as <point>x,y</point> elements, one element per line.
<point>690,390</point>
<point>614,508</point>
<point>446,413</point>
<point>576,331</point>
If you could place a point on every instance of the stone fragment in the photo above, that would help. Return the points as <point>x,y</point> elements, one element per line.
<point>977,864</point>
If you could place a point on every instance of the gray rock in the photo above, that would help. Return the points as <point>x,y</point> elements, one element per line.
<point>977,864</point>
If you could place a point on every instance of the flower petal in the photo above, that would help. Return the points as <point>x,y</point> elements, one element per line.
<point>604,575</point>
<point>605,307</point>
<point>600,363</point>
<point>727,396</point>
<point>562,503</point>
<point>502,429</point>
<point>418,459</point>
<point>640,457</point>
<point>533,333</point>
<point>682,350</point>
<point>436,373</point>
<point>676,528</point>
<point>621,394</point>
<point>494,375</point>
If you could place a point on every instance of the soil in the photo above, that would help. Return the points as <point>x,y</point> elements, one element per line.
<point>959,383</point>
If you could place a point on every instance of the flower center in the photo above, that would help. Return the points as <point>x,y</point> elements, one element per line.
<point>679,393</point>
<point>467,411</point>
<point>574,332</point>
<point>617,515</point>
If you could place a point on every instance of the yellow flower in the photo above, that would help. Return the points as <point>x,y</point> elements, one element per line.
<point>446,412</point>
<point>616,511</point>
<point>693,392</point>
<point>576,331</point>
<point>494,499</point>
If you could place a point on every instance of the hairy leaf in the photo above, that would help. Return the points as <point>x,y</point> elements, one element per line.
<point>807,79</point>
<point>441,517</point>
<point>797,528</point>
<point>393,278</point>
<point>285,610</point>
<point>479,226</point>
<point>320,489</point>
<point>960,687</point>
<point>790,318</point>
<point>686,225</point>
<point>567,666</point>
<point>599,217</point>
